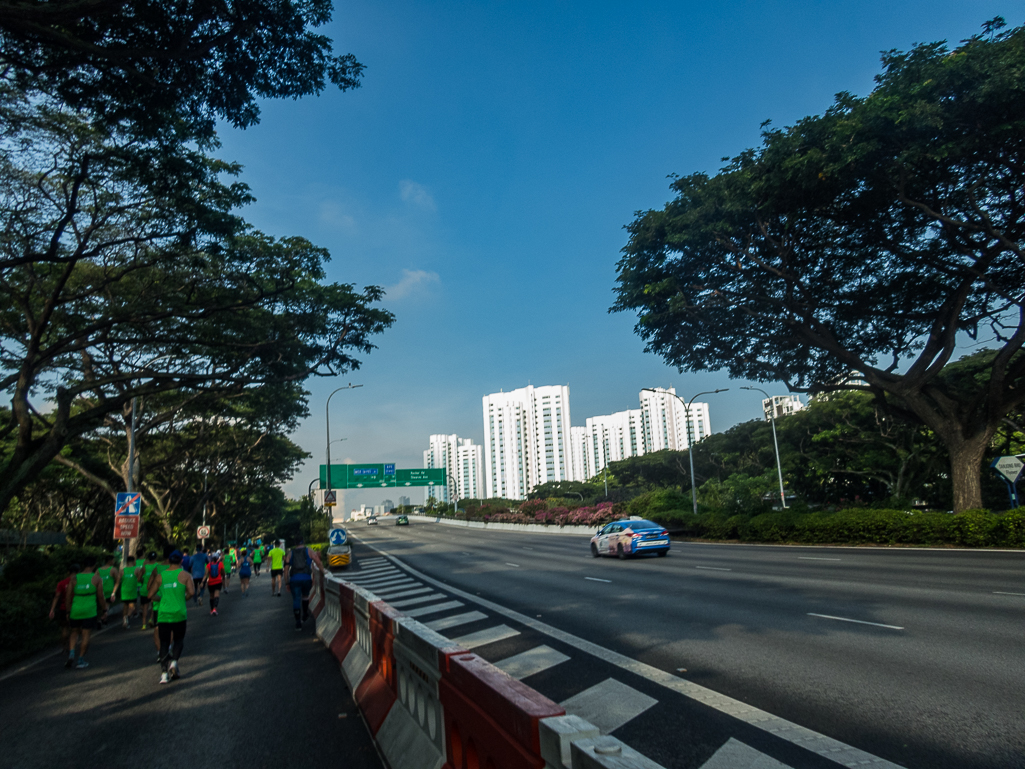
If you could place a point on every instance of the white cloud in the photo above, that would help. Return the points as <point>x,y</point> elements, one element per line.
<point>335,214</point>
<point>416,194</point>
<point>413,282</point>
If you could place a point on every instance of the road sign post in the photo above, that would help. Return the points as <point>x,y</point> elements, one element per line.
<point>127,515</point>
<point>380,476</point>
<point>202,532</point>
<point>1009,468</point>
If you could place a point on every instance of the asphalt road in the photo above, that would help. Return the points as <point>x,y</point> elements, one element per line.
<point>937,682</point>
<point>253,692</point>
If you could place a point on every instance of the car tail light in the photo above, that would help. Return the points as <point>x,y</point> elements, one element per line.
<point>635,536</point>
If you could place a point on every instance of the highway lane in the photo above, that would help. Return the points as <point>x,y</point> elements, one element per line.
<point>936,681</point>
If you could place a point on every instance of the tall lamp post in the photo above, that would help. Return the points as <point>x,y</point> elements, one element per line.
<point>690,443</point>
<point>775,443</point>
<point>327,422</point>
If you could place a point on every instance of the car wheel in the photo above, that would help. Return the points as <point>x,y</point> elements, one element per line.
<point>594,550</point>
<point>620,553</point>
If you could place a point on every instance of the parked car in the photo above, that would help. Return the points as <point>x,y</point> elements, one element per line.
<point>630,537</point>
<point>402,521</point>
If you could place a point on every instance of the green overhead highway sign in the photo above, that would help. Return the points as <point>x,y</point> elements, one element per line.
<point>379,476</point>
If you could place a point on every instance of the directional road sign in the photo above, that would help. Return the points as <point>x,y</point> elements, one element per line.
<point>380,475</point>
<point>128,503</point>
<point>1010,467</point>
<point>337,536</point>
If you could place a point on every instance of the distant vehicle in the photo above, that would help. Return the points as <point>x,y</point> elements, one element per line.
<point>418,511</point>
<point>371,520</point>
<point>402,521</point>
<point>630,537</point>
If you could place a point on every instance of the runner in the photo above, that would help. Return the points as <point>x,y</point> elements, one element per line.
<point>277,566</point>
<point>299,579</point>
<point>245,571</point>
<point>229,561</point>
<point>59,611</point>
<point>145,575</point>
<point>128,581</point>
<point>154,579</point>
<point>172,588</point>
<point>257,559</point>
<point>199,561</point>
<point>214,580</point>
<point>85,597</point>
<point>109,575</point>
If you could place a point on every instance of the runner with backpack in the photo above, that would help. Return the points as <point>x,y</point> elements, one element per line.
<point>299,580</point>
<point>214,581</point>
<point>245,571</point>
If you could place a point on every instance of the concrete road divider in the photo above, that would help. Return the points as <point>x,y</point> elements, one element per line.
<point>430,704</point>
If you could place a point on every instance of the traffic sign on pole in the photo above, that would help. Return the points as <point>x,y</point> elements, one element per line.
<point>330,498</point>
<point>1010,467</point>
<point>128,503</point>
<point>126,526</point>
<point>202,532</point>
<point>337,537</point>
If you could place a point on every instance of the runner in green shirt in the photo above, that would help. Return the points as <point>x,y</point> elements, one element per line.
<point>108,575</point>
<point>145,573</point>
<point>277,568</point>
<point>229,562</point>
<point>257,559</point>
<point>154,579</point>
<point>174,586</point>
<point>128,581</point>
<point>85,597</point>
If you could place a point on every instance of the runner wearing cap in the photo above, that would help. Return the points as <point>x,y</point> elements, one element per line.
<point>174,587</point>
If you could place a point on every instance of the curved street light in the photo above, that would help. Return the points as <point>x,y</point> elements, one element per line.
<point>775,443</point>
<point>690,444</point>
<point>327,422</point>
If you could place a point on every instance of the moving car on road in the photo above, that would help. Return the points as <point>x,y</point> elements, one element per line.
<point>371,520</point>
<point>402,521</point>
<point>628,537</point>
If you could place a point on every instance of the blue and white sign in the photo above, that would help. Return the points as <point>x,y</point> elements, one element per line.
<point>389,469</point>
<point>337,537</point>
<point>128,503</point>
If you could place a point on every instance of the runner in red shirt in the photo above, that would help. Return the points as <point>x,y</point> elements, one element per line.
<point>59,611</point>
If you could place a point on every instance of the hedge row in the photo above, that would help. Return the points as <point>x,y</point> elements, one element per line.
<point>973,528</point>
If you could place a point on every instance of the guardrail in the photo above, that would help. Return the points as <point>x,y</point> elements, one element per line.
<point>430,704</point>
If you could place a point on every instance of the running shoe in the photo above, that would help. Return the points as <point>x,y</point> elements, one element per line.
<point>124,623</point>
<point>214,612</point>
<point>81,664</point>
<point>70,661</point>
<point>143,625</point>
<point>164,678</point>
<point>174,670</point>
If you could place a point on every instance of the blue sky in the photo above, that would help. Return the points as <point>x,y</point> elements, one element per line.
<point>485,170</point>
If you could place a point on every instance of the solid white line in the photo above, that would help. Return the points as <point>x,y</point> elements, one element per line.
<point>1001,592</point>
<point>595,579</point>
<point>819,744</point>
<point>859,621</point>
<point>813,558</point>
<point>712,568</point>
<point>513,564</point>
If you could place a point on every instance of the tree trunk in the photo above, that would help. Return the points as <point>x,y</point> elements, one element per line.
<point>966,470</point>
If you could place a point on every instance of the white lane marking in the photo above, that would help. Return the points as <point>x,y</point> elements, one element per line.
<point>369,576</point>
<point>1001,592</point>
<point>532,661</point>
<point>813,558</point>
<point>486,636</point>
<point>389,585</point>
<point>736,754</point>
<point>596,579</point>
<point>858,621</point>
<point>712,568</point>
<point>528,548</point>
<point>796,734</point>
<point>455,620</point>
<point>513,564</point>
<point>422,610</point>
<point>403,592</point>
<point>417,601</point>
<point>609,705</point>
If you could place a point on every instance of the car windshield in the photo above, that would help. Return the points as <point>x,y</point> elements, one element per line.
<point>635,525</point>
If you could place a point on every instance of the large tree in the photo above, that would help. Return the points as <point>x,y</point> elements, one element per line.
<point>875,238</point>
<point>153,64</point>
<point>124,273</point>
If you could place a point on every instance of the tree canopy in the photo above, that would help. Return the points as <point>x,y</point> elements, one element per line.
<point>151,64</point>
<point>874,238</point>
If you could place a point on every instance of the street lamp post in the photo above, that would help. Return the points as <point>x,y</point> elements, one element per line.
<point>690,443</point>
<point>327,421</point>
<point>775,443</point>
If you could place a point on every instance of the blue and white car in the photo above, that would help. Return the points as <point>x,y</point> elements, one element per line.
<point>630,536</point>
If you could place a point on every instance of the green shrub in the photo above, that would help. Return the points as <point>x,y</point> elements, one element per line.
<point>654,503</point>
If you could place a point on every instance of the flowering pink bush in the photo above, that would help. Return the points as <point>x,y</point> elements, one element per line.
<point>533,506</point>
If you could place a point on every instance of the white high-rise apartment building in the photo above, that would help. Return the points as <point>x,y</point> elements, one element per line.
<point>610,438</point>
<point>664,421</point>
<point>526,440</point>
<point>581,469</point>
<point>464,472</point>
<point>780,406</point>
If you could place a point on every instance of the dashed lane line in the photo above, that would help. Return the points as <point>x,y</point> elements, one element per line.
<point>1001,592</point>
<point>712,568</point>
<point>598,579</point>
<point>856,621</point>
<point>813,558</point>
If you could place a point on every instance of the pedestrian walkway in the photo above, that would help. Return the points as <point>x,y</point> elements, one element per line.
<point>253,694</point>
